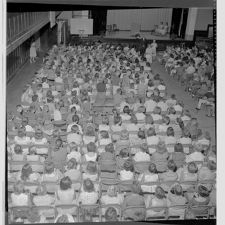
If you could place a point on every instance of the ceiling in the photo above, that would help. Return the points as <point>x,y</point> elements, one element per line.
<point>123,3</point>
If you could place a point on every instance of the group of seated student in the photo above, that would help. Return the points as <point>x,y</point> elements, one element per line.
<point>194,68</point>
<point>149,152</point>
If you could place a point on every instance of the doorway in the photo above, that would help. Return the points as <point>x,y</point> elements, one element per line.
<point>179,22</point>
<point>99,21</point>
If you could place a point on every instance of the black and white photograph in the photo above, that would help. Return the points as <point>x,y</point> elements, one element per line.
<point>110,111</point>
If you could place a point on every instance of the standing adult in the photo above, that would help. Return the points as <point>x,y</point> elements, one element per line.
<point>148,53</point>
<point>33,51</point>
<point>101,92</point>
<point>154,47</point>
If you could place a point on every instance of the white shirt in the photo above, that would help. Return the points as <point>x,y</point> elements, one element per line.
<point>141,157</point>
<point>126,175</point>
<point>73,137</point>
<point>75,155</point>
<point>150,105</point>
<point>195,156</point>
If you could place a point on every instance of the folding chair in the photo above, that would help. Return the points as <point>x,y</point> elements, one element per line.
<point>141,167</point>
<point>16,212</point>
<point>69,208</point>
<point>105,207</point>
<point>188,186</point>
<point>105,183</point>
<point>42,149</point>
<point>107,166</point>
<point>126,185</point>
<point>152,148</point>
<point>37,167</point>
<point>31,186</point>
<point>94,211</point>
<point>149,187</point>
<point>48,212</point>
<point>51,186</point>
<point>136,210</point>
<point>11,134</point>
<point>156,213</point>
<point>15,166</point>
<point>176,212</point>
<point>200,212</point>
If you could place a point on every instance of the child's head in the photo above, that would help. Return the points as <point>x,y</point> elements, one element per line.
<point>152,168</point>
<point>58,143</point>
<point>63,219</point>
<point>88,185</point>
<point>151,132</point>
<point>178,147</point>
<point>110,214</point>
<point>192,167</point>
<point>117,120</point>
<point>65,183</point>
<point>171,110</point>
<point>26,171</point>
<point>24,121</point>
<point>157,110</point>
<point>166,120</point>
<point>128,165</point>
<point>41,189</point>
<point>34,98</point>
<point>124,153</point>
<point>104,134</point>
<point>109,148</point>
<point>126,109</point>
<point>91,147</point>
<point>19,108</point>
<point>141,134</point>
<point>170,132</point>
<point>172,166</point>
<point>203,191</point>
<point>91,168</point>
<point>177,190</point>
<point>75,119</point>
<point>49,167</point>
<point>75,129</point>
<point>18,149</point>
<point>32,150</point>
<point>149,119</point>
<point>72,164</point>
<point>159,192</point>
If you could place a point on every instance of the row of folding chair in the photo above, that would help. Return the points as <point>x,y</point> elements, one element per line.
<point>97,212</point>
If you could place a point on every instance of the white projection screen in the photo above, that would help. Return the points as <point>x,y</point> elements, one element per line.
<point>81,26</point>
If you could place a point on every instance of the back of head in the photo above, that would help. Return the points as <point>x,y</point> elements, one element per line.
<point>159,192</point>
<point>65,183</point>
<point>111,214</point>
<point>33,215</point>
<point>88,185</point>
<point>172,166</point>
<point>178,148</point>
<point>63,219</point>
<point>18,187</point>
<point>128,165</point>
<point>152,168</point>
<point>49,167</point>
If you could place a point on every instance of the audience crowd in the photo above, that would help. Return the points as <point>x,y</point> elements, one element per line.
<point>97,138</point>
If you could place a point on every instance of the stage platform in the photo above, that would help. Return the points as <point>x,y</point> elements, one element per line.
<point>148,35</point>
<point>127,37</point>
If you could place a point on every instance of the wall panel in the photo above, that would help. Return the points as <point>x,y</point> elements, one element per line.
<point>144,18</point>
